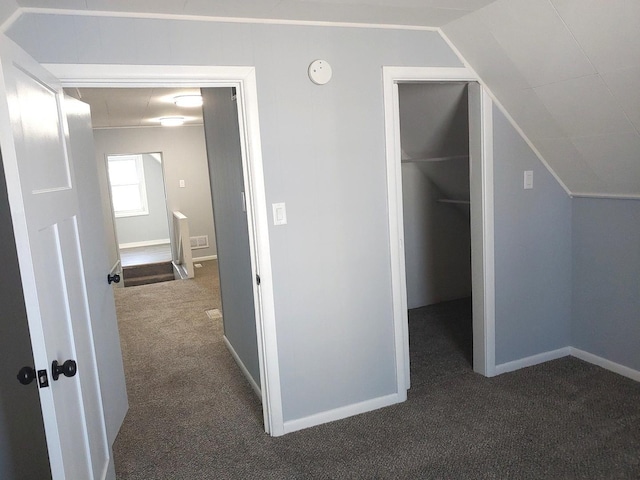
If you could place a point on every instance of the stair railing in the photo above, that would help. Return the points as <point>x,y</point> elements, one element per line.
<point>182,257</point>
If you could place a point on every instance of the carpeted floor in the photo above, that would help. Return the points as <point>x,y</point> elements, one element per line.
<point>193,416</point>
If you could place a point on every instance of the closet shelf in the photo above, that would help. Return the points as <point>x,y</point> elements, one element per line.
<point>436,159</point>
<point>457,202</point>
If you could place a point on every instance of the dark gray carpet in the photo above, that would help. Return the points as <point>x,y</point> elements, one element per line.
<point>193,416</point>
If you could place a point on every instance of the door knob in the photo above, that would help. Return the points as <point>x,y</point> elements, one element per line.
<point>26,375</point>
<point>68,369</point>
<point>113,278</point>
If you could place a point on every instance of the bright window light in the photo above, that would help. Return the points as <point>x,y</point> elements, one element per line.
<point>128,191</point>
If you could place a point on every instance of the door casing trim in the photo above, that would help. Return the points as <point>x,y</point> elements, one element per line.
<point>484,282</point>
<point>243,78</point>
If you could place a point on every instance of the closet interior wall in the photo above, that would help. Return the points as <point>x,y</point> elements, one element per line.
<point>435,186</point>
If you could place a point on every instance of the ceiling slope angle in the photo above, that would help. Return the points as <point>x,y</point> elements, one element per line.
<point>568,73</point>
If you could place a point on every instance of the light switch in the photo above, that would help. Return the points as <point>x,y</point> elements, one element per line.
<point>181,183</point>
<point>528,179</point>
<point>279,214</point>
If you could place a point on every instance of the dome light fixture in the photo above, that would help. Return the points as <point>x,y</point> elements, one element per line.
<point>188,100</point>
<point>171,121</point>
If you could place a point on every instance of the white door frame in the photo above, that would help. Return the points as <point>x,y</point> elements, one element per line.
<point>484,282</point>
<point>244,80</point>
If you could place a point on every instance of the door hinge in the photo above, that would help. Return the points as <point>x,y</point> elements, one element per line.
<point>257,279</point>
<point>43,379</point>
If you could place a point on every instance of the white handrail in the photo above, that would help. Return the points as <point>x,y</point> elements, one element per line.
<point>182,257</point>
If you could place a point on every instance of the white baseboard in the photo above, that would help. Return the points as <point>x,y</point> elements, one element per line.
<point>532,360</point>
<point>146,243</point>
<point>574,352</point>
<point>236,357</point>
<point>342,412</point>
<point>606,364</point>
<point>205,258</point>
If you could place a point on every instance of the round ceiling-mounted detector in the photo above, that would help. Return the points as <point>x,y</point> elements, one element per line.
<point>320,72</point>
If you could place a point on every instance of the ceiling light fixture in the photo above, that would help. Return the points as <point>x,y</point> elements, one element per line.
<point>188,100</point>
<point>171,121</point>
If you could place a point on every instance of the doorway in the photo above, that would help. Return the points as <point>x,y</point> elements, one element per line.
<point>480,198</point>
<point>243,79</point>
<point>141,222</point>
<point>434,137</point>
<point>205,145</point>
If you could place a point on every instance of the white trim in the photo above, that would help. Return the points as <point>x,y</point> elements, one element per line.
<point>503,110</point>
<point>565,352</point>
<point>489,236</point>
<point>243,78</point>
<point>215,19</point>
<point>533,360</point>
<point>10,21</point>
<point>146,243</point>
<point>342,412</point>
<point>486,325</point>
<point>205,258</point>
<point>606,364</point>
<point>89,75</point>
<point>245,371</point>
<point>608,196</point>
<point>258,222</point>
<point>482,235</point>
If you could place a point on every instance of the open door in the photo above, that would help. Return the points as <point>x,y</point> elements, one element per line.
<point>102,308</point>
<point>45,210</point>
<point>230,205</point>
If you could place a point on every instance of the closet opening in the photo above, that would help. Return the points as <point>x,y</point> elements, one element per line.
<point>434,131</point>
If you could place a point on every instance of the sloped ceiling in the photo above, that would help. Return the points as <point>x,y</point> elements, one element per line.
<point>567,71</point>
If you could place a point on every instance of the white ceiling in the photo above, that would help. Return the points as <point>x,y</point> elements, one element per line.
<point>432,13</point>
<point>135,107</point>
<point>568,72</point>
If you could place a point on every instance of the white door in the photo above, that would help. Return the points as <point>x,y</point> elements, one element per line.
<point>45,212</point>
<point>92,228</point>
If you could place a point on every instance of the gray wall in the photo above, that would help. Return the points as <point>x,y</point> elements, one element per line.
<point>232,235</point>
<point>434,119</point>
<point>437,236</point>
<point>324,155</point>
<point>23,448</point>
<point>606,279</point>
<point>184,156</point>
<point>155,225</point>
<point>532,251</point>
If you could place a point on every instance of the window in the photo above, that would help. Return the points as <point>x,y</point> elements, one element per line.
<point>128,192</point>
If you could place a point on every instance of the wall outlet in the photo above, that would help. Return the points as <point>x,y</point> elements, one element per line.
<point>528,179</point>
